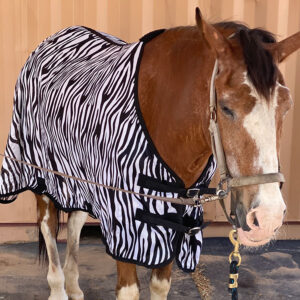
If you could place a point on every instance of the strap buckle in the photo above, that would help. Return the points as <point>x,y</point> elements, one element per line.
<point>193,193</point>
<point>222,193</point>
<point>193,231</point>
<point>213,114</point>
<point>224,185</point>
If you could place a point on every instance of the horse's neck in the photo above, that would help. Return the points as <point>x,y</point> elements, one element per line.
<point>174,99</point>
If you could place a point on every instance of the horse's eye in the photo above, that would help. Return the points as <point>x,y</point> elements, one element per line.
<point>227,111</point>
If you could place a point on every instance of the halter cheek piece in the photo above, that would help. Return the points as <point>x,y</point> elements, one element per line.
<point>218,152</point>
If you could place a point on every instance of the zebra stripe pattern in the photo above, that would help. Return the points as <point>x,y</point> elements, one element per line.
<point>76,111</point>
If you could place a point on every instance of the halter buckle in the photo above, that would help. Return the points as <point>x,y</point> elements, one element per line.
<point>193,193</point>
<point>194,230</point>
<point>213,114</point>
<point>224,185</point>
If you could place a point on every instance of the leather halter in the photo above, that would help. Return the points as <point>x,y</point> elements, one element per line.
<point>218,152</point>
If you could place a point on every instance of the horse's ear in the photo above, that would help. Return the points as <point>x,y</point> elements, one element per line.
<point>199,19</point>
<point>214,38</point>
<point>284,48</point>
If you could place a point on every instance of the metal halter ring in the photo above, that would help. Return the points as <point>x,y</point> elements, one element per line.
<point>222,193</point>
<point>224,184</point>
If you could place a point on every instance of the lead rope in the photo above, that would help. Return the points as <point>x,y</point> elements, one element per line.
<point>235,260</point>
<point>195,201</point>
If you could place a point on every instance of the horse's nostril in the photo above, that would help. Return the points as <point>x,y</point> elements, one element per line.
<point>252,220</point>
<point>284,212</point>
<point>255,222</point>
<point>276,229</point>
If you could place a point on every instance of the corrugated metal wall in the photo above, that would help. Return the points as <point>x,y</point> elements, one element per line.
<point>25,23</point>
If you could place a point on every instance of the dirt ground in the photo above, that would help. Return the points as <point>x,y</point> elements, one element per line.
<point>22,278</point>
<point>269,273</point>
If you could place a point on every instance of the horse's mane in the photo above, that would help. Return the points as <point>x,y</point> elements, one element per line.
<point>260,63</point>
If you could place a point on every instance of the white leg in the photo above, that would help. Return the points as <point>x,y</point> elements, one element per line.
<point>129,292</point>
<point>160,282</point>
<point>128,283</point>
<point>55,275</point>
<point>159,289</point>
<point>76,221</point>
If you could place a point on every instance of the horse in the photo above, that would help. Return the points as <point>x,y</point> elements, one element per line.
<point>209,88</point>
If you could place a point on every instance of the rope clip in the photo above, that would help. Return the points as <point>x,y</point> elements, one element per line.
<point>235,253</point>
<point>235,260</point>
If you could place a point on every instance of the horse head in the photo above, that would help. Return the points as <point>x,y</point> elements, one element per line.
<point>252,101</point>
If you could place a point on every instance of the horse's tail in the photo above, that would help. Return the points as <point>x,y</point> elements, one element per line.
<point>43,257</point>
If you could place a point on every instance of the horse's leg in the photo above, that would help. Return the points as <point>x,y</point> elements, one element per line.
<point>160,282</point>
<point>128,284</point>
<point>75,222</point>
<point>48,221</point>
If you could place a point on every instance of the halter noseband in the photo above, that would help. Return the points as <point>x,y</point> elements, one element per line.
<point>218,152</point>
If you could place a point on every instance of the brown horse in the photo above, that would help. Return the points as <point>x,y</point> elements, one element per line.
<point>173,89</point>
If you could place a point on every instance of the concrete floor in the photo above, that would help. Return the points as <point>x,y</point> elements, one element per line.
<point>270,273</point>
<point>22,278</point>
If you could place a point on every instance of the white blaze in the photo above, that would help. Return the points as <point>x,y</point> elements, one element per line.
<point>260,123</point>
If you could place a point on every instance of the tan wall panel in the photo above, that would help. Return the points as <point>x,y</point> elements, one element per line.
<point>290,156</point>
<point>147,16</point>
<point>25,23</point>
<point>293,75</point>
<point>23,210</point>
<point>249,12</point>
<point>294,191</point>
<point>66,11</point>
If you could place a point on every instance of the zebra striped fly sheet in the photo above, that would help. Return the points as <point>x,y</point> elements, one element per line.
<point>76,111</point>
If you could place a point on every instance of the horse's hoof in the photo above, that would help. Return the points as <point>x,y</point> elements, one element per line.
<point>58,297</point>
<point>76,296</point>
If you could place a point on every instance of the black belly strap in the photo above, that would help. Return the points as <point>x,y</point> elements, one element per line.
<point>168,187</point>
<point>173,221</point>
